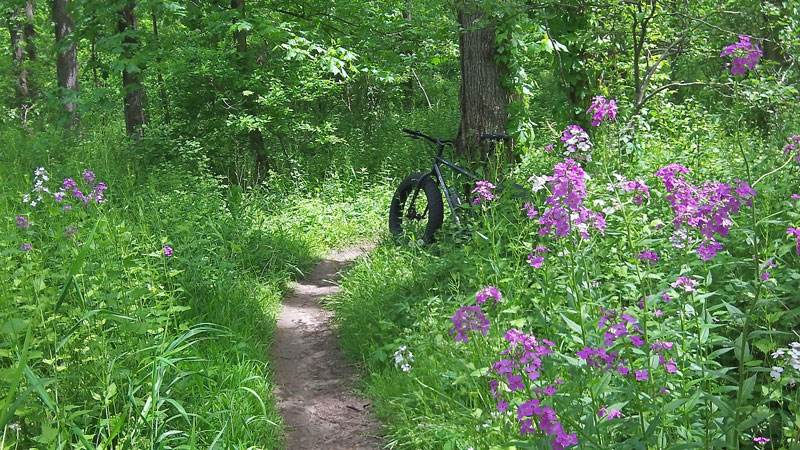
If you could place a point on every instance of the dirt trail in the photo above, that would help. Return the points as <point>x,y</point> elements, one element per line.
<point>313,383</point>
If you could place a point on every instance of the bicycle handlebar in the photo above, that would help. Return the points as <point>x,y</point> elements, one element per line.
<point>416,134</point>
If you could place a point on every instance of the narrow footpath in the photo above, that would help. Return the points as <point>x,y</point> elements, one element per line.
<point>313,383</point>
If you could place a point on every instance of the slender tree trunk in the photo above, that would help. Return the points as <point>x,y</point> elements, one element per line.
<point>67,60</point>
<point>255,136</point>
<point>483,98</point>
<point>29,32</point>
<point>131,83</point>
<point>240,36</point>
<point>15,30</point>
<point>162,89</point>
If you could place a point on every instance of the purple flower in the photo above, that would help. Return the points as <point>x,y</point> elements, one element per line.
<point>88,176</point>
<point>530,210</point>
<point>609,414</point>
<point>601,109</point>
<point>484,191</point>
<point>67,207</point>
<point>515,382</point>
<point>708,249</point>
<point>688,284</point>
<point>622,370</point>
<point>502,405</point>
<point>535,261</point>
<point>489,291</point>
<point>666,298</point>
<point>549,147</point>
<point>745,53</point>
<point>641,375</point>
<point>22,221</point>
<point>26,247</point>
<point>794,144</point>
<point>761,440</point>
<point>765,276</point>
<point>796,232</point>
<point>167,251</point>
<point>466,319</point>
<point>647,255</point>
<point>564,206</point>
<point>576,140</point>
<point>636,340</point>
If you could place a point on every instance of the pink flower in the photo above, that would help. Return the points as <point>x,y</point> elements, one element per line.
<point>688,284</point>
<point>489,291</point>
<point>536,261</point>
<point>761,440</point>
<point>641,375</point>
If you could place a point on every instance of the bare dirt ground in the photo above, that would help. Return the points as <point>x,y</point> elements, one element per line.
<point>313,383</point>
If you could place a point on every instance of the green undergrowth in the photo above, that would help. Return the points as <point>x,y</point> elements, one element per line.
<point>107,341</point>
<point>405,298</point>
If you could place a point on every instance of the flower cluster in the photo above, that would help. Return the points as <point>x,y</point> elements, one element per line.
<point>40,177</point>
<point>707,208</point>
<point>466,319</point>
<point>22,221</point>
<point>530,210</point>
<point>647,255</point>
<point>537,257</point>
<point>403,358</point>
<point>489,291</point>
<point>484,191</point>
<point>636,186</point>
<point>601,109</point>
<point>746,55</point>
<point>616,325</point>
<point>794,144</point>
<point>94,191</point>
<point>565,204</point>
<point>796,232</point>
<point>609,413</point>
<point>167,251</point>
<point>688,284</point>
<point>792,358</point>
<point>576,140</point>
<point>523,359</point>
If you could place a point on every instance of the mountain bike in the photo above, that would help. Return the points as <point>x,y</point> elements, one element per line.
<point>417,209</point>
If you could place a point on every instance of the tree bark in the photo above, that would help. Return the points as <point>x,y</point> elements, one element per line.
<point>240,36</point>
<point>29,31</point>
<point>162,89</point>
<point>67,60</point>
<point>131,83</point>
<point>255,136</point>
<point>484,100</point>
<point>15,30</point>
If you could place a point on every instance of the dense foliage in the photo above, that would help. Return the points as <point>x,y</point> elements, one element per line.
<point>643,296</point>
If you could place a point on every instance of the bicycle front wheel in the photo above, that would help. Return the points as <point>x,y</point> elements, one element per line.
<point>417,210</point>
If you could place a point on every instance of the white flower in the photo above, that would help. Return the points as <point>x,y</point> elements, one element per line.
<point>406,367</point>
<point>538,182</point>
<point>778,354</point>
<point>776,372</point>
<point>15,427</point>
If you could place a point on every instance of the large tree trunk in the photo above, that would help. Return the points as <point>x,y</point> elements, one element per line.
<point>15,30</point>
<point>67,60</point>
<point>255,136</point>
<point>131,83</point>
<point>29,31</point>
<point>483,98</point>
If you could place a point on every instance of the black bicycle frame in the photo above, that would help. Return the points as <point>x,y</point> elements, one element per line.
<point>436,170</point>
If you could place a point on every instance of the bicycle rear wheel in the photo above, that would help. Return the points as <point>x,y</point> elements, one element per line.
<point>417,210</point>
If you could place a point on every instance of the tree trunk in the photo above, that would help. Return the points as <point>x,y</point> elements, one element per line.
<point>29,32</point>
<point>131,83</point>
<point>15,30</point>
<point>240,36</point>
<point>162,90</point>
<point>255,136</point>
<point>484,100</point>
<point>67,60</point>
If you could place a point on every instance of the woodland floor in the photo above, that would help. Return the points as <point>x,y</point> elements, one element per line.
<point>313,382</point>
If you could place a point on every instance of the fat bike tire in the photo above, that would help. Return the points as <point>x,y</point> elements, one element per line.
<point>426,214</point>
